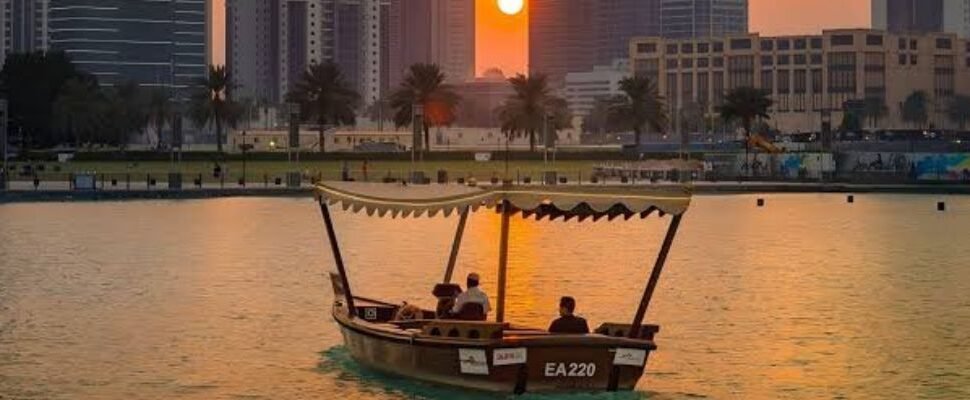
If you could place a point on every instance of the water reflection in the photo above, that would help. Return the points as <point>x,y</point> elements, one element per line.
<point>806,298</point>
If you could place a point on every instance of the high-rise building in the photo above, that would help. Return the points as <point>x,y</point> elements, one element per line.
<point>575,36</point>
<point>151,43</point>
<point>681,19</point>
<point>270,43</point>
<point>617,21</point>
<point>922,16</point>
<point>23,26</point>
<point>252,48</point>
<point>561,37</point>
<point>453,38</point>
<point>434,32</point>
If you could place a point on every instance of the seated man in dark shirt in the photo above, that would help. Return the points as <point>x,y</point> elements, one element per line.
<point>567,322</point>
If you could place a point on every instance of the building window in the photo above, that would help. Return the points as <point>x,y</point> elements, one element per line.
<point>767,81</point>
<point>800,44</point>
<point>718,47</point>
<point>902,59</point>
<point>913,59</point>
<point>687,63</point>
<point>671,49</point>
<point>902,43</point>
<point>646,48</point>
<point>703,63</point>
<point>816,43</point>
<point>687,48</point>
<point>767,45</point>
<point>784,59</point>
<point>740,44</point>
<point>873,40</point>
<point>944,43</point>
<point>718,62</point>
<point>801,84</point>
<point>672,63</point>
<point>703,48</point>
<point>914,44</point>
<point>799,59</point>
<point>816,59</point>
<point>767,60</point>
<point>842,40</point>
<point>784,44</point>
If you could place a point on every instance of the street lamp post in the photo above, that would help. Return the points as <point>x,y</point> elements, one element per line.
<point>4,174</point>
<point>417,128</point>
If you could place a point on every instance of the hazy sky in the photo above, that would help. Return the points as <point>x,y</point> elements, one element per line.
<point>503,40</point>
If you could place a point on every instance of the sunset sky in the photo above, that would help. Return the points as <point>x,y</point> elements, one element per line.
<point>502,40</point>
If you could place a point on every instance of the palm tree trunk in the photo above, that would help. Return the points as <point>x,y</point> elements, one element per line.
<point>218,135</point>
<point>427,138</point>
<point>322,139</point>
<point>636,137</point>
<point>532,140</point>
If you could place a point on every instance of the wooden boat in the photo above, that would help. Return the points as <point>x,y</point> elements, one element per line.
<point>496,355</point>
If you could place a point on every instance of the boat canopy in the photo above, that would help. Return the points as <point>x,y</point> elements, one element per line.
<point>590,201</point>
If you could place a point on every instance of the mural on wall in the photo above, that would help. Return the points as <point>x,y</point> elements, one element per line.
<point>922,166</point>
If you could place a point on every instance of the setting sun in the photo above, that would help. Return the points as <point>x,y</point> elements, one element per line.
<point>510,7</point>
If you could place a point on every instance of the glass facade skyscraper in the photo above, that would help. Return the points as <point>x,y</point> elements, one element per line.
<point>156,43</point>
<point>682,19</point>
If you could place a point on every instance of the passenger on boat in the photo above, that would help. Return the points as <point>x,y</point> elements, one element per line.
<point>472,304</point>
<point>567,321</point>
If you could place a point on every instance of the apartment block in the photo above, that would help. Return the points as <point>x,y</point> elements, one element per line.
<point>809,75</point>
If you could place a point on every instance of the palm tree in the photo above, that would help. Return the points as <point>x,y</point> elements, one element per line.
<point>958,110</point>
<point>529,105</point>
<point>745,104</point>
<point>78,111</point>
<point>640,106</point>
<point>915,108</point>
<point>325,96</point>
<point>211,105</point>
<point>425,84</point>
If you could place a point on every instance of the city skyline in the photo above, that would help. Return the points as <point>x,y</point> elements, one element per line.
<point>509,49</point>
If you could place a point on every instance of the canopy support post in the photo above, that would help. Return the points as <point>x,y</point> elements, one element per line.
<point>456,245</point>
<point>338,259</point>
<point>503,260</point>
<point>654,277</point>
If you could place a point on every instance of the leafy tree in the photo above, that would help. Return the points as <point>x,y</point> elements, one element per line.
<point>958,110</point>
<point>745,104</point>
<point>915,109</point>
<point>79,111</point>
<point>211,105</point>
<point>425,84</point>
<point>531,103</point>
<point>641,106</point>
<point>31,82</point>
<point>126,107</point>
<point>326,97</point>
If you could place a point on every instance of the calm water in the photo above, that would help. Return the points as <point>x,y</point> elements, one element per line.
<point>808,298</point>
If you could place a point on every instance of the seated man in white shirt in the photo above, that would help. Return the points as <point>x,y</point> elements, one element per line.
<point>473,294</point>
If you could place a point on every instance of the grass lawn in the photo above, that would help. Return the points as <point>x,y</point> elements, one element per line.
<point>256,170</point>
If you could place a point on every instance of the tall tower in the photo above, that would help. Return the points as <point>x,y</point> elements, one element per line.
<point>683,19</point>
<point>23,26</point>
<point>575,36</point>
<point>922,16</point>
<point>369,84</point>
<point>156,43</point>
<point>252,48</point>
<point>453,38</point>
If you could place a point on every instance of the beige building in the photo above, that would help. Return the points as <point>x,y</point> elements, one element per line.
<point>807,75</point>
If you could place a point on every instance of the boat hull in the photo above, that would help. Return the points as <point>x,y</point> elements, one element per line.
<point>548,364</point>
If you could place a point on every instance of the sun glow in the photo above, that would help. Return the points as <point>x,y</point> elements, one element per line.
<point>511,7</point>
